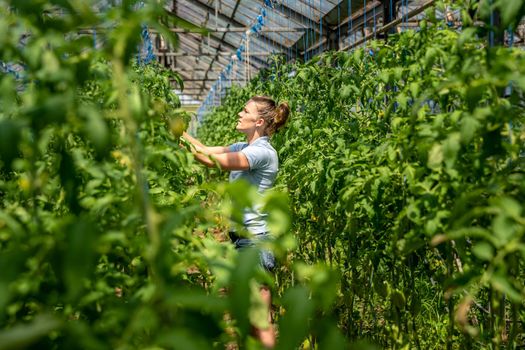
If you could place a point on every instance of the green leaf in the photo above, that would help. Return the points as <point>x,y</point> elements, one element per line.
<point>24,334</point>
<point>364,345</point>
<point>332,339</point>
<point>292,326</point>
<point>483,250</point>
<point>502,284</point>
<point>402,99</point>
<point>511,11</point>
<point>246,265</point>
<point>79,255</point>
<point>10,135</point>
<point>508,206</point>
<point>469,126</point>
<point>504,228</point>
<point>398,298</point>
<point>321,280</point>
<point>183,339</point>
<point>96,129</point>
<point>346,91</point>
<point>474,93</point>
<point>198,300</point>
<point>435,156</point>
<point>450,148</point>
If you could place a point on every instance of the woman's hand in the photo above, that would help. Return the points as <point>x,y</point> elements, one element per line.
<point>199,147</point>
<point>184,144</point>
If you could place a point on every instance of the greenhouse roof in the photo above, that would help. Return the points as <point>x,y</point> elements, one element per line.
<point>294,28</point>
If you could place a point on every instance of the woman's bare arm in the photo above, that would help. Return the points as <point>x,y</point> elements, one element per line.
<point>201,148</point>
<point>225,161</point>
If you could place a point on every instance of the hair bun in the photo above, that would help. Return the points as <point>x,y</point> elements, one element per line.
<point>281,113</point>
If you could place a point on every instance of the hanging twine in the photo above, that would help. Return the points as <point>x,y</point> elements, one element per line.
<point>247,60</point>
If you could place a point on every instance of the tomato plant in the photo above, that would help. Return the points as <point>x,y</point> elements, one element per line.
<point>403,162</point>
<point>107,226</point>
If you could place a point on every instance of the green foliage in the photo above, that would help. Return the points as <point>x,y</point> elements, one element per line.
<point>106,224</point>
<point>405,174</point>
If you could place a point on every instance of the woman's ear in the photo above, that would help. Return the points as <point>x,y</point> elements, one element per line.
<point>260,122</point>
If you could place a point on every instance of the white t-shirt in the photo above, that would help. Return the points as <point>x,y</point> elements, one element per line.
<point>264,165</point>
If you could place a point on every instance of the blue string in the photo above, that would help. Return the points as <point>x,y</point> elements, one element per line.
<point>310,25</point>
<point>312,14</point>
<point>350,19</point>
<point>307,37</point>
<point>406,15</point>
<point>8,69</point>
<point>146,43</point>
<point>491,33</point>
<point>272,17</point>
<point>305,44</point>
<point>407,10</point>
<point>321,24</point>
<point>338,23</point>
<point>290,34</point>
<point>509,88</point>
<point>350,29</point>
<point>391,12</point>
<point>278,24</point>
<point>374,22</point>
<point>364,22</point>
<point>150,56</point>
<point>402,14</point>
<point>297,48</point>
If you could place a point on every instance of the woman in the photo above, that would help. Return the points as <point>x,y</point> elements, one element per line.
<point>255,161</point>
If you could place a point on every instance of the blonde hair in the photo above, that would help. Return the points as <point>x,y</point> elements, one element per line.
<point>275,116</point>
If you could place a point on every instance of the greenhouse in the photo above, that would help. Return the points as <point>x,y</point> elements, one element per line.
<point>262,174</point>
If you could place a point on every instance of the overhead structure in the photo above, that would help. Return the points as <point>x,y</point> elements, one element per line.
<point>242,35</point>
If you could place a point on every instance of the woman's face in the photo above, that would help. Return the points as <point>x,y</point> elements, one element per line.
<point>249,118</point>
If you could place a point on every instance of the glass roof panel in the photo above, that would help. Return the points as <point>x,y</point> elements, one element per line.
<point>205,56</point>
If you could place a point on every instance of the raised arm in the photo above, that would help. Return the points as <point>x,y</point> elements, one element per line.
<point>201,148</point>
<point>225,161</point>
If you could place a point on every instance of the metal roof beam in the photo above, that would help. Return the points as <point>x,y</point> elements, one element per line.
<point>259,62</point>
<point>234,23</point>
<point>242,30</point>
<point>216,57</point>
<point>292,14</point>
<point>215,37</point>
<point>222,41</point>
<point>218,53</point>
<point>358,16</point>
<point>213,79</point>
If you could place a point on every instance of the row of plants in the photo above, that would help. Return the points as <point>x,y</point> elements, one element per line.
<point>404,166</point>
<point>107,225</point>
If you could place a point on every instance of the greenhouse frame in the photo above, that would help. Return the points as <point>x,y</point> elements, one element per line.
<point>262,174</point>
